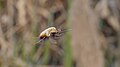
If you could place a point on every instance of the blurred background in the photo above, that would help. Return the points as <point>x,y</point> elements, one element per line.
<point>92,39</point>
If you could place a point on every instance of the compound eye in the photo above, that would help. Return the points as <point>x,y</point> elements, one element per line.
<point>41,38</point>
<point>53,33</point>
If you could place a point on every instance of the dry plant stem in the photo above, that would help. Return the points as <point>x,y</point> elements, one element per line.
<point>103,9</point>
<point>56,49</point>
<point>85,43</point>
<point>38,53</point>
<point>22,16</point>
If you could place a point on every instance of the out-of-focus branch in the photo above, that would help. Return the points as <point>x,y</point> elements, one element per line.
<point>86,45</point>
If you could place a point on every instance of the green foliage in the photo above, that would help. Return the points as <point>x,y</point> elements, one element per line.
<point>46,53</point>
<point>2,4</point>
<point>68,54</point>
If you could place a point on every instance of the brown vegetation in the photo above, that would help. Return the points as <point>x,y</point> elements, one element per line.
<point>94,34</point>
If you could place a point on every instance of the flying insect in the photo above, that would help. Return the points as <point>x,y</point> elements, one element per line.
<point>47,33</point>
<point>50,32</point>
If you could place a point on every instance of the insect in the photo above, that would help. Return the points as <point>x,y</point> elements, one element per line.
<point>50,32</point>
<point>47,33</point>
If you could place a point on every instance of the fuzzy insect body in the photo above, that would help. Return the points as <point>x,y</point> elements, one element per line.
<point>51,32</point>
<point>47,33</point>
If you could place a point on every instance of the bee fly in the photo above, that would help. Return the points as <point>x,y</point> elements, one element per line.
<point>47,33</point>
<point>50,32</point>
